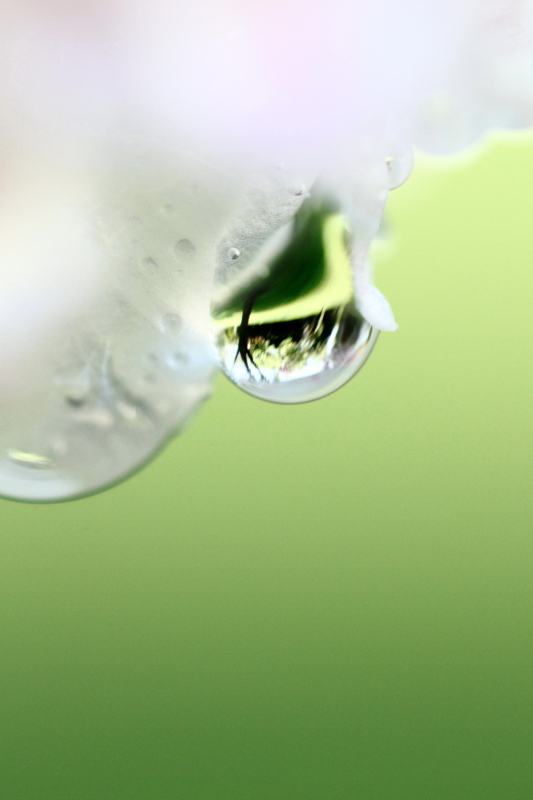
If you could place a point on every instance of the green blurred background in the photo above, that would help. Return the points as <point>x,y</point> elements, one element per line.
<point>323,602</point>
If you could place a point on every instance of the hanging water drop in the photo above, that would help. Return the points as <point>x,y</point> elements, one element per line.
<point>399,165</point>
<point>292,332</point>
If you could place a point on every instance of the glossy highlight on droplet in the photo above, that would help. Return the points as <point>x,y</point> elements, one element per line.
<point>293,333</point>
<point>31,460</point>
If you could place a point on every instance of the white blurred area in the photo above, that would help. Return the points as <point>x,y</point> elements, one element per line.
<point>50,266</point>
<point>136,137</point>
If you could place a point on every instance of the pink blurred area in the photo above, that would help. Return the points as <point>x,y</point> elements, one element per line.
<point>249,78</point>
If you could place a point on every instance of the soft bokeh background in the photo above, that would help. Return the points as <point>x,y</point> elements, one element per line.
<point>323,602</point>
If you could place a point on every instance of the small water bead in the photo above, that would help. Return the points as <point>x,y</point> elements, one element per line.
<point>295,334</point>
<point>234,253</point>
<point>149,265</point>
<point>399,165</point>
<point>178,360</point>
<point>171,323</point>
<point>184,247</point>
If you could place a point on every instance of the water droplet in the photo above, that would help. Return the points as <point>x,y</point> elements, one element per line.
<point>184,247</point>
<point>295,334</point>
<point>75,400</point>
<point>298,191</point>
<point>399,166</point>
<point>29,459</point>
<point>234,253</point>
<point>149,265</point>
<point>178,359</point>
<point>171,323</point>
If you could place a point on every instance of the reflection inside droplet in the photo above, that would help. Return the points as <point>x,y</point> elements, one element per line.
<point>293,333</point>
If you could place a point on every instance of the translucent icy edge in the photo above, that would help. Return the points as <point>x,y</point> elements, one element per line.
<point>91,391</point>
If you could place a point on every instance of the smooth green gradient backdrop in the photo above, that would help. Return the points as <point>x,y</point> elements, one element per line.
<point>325,602</point>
